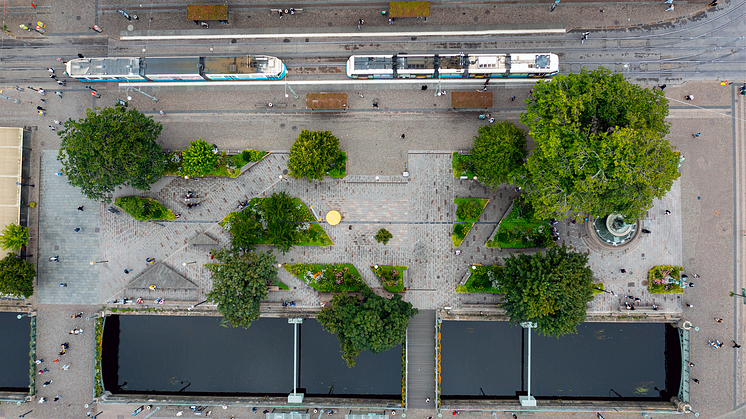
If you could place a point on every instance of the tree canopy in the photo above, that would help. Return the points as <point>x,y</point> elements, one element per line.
<point>14,237</point>
<point>240,284</point>
<point>199,159</point>
<point>313,154</point>
<point>368,323</point>
<point>499,153</point>
<point>600,146</point>
<point>111,147</point>
<point>16,276</point>
<point>551,289</point>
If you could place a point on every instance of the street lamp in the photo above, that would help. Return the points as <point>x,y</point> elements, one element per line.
<point>192,306</point>
<point>603,290</point>
<point>20,316</point>
<point>742,294</point>
<point>24,184</point>
<point>100,261</point>
<point>188,263</point>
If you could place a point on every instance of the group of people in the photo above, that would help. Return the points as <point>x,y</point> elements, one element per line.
<point>63,350</point>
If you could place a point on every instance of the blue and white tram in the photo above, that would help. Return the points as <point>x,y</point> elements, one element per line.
<point>245,67</point>
<point>452,66</point>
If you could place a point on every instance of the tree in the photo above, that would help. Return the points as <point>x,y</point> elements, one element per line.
<point>313,154</point>
<point>240,284</point>
<point>198,159</point>
<point>383,236</point>
<point>245,229</point>
<point>14,237</point>
<point>16,276</point>
<point>552,290</point>
<point>499,153</point>
<point>284,218</point>
<point>371,323</point>
<point>111,148</point>
<point>600,146</point>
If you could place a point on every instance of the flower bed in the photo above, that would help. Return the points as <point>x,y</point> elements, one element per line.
<point>481,280</point>
<point>464,224</point>
<point>392,277</point>
<point>99,381</point>
<point>665,279</point>
<point>329,278</point>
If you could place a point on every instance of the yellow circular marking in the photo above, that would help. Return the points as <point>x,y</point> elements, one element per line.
<point>333,218</point>
<point>717,213</point>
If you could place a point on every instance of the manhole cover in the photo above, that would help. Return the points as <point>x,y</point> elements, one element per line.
<point>130,28</point>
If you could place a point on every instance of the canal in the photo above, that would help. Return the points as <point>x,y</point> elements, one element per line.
<point>627,361</point>
<point>15,362</point>
<point>198,356</point>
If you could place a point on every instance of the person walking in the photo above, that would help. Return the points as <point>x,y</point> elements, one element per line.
<point>735,345</point>
<point>50,69</point>
<point>695,380</point>
<point>718,319</point>
<point>662,86</point>
<point>54,259</point>
<point>697,135</point>
<point>76,229</point>
<point>668,212</point>
<point>40,108</point>
<point>63,284</point>
<point>80,208</point>
<point>52,127</point>
<point>58,122</point>
<point>66,367</point>
<point>162,112</point>
<point>689,97</point>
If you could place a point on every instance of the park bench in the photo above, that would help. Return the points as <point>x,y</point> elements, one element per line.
<point>286,11</point>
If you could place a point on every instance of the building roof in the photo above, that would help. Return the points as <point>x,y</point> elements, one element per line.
<point>11,149</point>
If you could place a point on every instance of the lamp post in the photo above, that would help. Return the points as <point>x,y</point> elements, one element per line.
<point>188,263</point>
<point>287,86</point>
<point>19,102</point>
<point>24,184</point>
<point>20,316</point>
<point>140,91</point>
<point>195,305</point>
<point>742,294</point>
<point>100,261</point>
<point>528,400</point>
<point>603,290</point>
<point>95,316</point>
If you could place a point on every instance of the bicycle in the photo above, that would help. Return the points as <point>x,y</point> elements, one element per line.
<point>556,2</point>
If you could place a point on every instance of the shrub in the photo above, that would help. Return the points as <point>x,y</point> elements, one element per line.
<point>468,210</point>
<point>383,236</point>
<point>459,230</point>
<point>199,160</point>
<point>144,209</point>
<point>253,155</point>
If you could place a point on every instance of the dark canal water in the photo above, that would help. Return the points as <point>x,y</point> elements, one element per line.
<point>196,355</point>
<point>603,360</point>
<point>14,363</point>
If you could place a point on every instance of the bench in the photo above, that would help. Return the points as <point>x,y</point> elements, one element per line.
<point>286,11</point>
<point>641,309</point>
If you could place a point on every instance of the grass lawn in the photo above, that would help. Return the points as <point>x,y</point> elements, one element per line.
<point>462,166</point>
<point>517,232</point>
<point>463,226</point>
<point>480,280</point>
<point>144,209</point>
<point>385,273</point>
<point>329,278</point>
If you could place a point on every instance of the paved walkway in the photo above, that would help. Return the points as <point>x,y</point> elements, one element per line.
<point>421,361</point>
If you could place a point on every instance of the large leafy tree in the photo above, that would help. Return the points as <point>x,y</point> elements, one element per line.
<point>240,284</point>
<point>111,147</point>
<point>284,217</point>
<point>16,276</point>
<point>368,323</point>
<point>199,159</point>
<point>313,154</point>
<point>245,228</point>
<point>14,237</point>
<point>600,146</point>
<point>551,289</point>
<point>499,153</point>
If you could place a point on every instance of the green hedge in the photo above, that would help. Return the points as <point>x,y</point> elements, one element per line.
<point>144,209</point>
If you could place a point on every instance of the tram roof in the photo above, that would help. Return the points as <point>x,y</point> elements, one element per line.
<point>373,62</point>
<point>117,66</point>
<point>172,65</point>
<point>237,65</point>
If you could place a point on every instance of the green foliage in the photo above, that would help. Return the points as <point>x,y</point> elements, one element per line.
<point>469,209</point>
<point>462,165</point>
<point>383,236</point>
<point>483,279</point>
<point>144,209</point>
<point>98,378</point>
<point>371,323</point>
<point>198,159</point>
<point>110,148</point>
<point>253,155</point>
<point>14,237</point>
<point>600,146</point>
<point>520,230</point>
<point>329,278</point>
<point>665,279</point>
<point>240,283</point>
<point>245,228</point>
<point>392,277</point>
<point>16,276</point>
<point>314,154</point>
<point>499,153</point>
<point>283,217</point>
<point>551,289</point>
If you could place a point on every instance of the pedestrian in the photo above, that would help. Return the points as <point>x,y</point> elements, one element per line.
<point>670,8</point>
<point>39,361</point>
<point>624,271</point>
<point>52,127</point>
<point>515,416</point>
<point>127,271</point>
<point>77,315</point>
<point>56,398</point>
<point>695,380</point>
<point>718,319</point>
<point>530,92</point>
<point>512,98</point>
<point>57,122</point>
<point>662,86</point>
<point>655,307</point>
<point>646,231</point>
<point>150,260</point>
<point>360,22</point>
<point>41,92</point>
<point>80,208</point>
<point>42,400</point>
<point>427,400</point>
<point>638,301</point>
<point>54,259</point>
<point>40,108</point>
<point>46,383</point>
<point>598,416</point>
<point>61,83</point>
<point>668,212</point>
<point>696,135</point>
<point>403,136</point>
<point>162,112</point>
<point>41,113</point>
<point>689,97</point>
<point>691,364</point>
<point>50,69</point>
<point>375,105</point>
<point>391,21</point>
<point>735,345</point>
<point>690,305</point>
<point>53,76</point>
<point>695,275</point>
<point>80,56</point>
